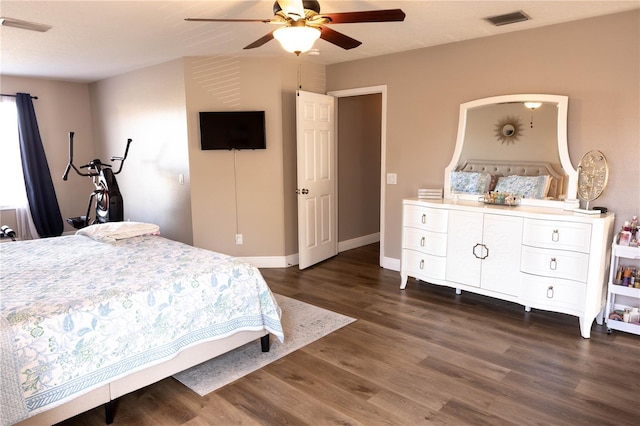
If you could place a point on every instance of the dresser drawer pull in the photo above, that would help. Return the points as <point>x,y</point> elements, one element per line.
<point>422,240</point>
<point>555,236</point>
<point>550,292</point>
<point>422,264</point>
<point>424,218</point>
<point>553,264</point>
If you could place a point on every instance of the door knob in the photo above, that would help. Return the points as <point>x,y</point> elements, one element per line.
<point>302,191</point>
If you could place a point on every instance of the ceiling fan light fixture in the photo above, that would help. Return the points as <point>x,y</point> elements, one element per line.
<point>24,25</point>
<point>297,39</point>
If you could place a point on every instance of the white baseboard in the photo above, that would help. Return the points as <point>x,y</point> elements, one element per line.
<point>358,242</point>
<point>267,261</point>
<point>391,264</point>
<point>292,259</point>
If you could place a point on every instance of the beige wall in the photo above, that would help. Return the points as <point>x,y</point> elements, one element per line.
<point>246,192</point>
<point>148,106</point>
<point>359,120</point>
<point>595,62</point>
<point>61,107</point>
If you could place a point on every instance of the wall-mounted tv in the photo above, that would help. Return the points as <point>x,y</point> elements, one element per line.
<point>232,130</point>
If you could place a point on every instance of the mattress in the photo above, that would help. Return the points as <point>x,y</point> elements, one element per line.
<point>77,313</point>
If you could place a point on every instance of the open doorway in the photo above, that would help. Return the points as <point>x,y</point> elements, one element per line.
<point>361,118</point>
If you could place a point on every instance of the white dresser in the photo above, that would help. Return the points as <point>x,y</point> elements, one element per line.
<point>539,257</point>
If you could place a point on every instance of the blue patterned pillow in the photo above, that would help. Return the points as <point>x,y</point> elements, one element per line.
<point>470,182</point>
<point>524,186</point>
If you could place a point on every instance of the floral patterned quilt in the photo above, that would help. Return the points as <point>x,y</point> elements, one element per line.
<point>77,313</point>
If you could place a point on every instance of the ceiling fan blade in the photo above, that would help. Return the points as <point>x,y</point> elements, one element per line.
<point>266,21</point>
<point>262,40</point>
<point>337,38</point>
<point>387,15</point>
<point>292,8</point>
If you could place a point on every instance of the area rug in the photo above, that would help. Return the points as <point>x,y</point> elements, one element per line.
<point>302,324</point>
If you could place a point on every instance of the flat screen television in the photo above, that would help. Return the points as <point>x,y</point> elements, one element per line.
<point>232,130</point>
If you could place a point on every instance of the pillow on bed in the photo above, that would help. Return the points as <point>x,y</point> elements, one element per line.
<point>113,231</point>
<point>525,186</point>
<point>470,182</point>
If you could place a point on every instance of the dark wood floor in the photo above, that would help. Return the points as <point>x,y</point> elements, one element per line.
<point>418,356</point>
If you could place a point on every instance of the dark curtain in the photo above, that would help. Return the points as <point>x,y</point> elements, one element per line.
<point>41,195</point>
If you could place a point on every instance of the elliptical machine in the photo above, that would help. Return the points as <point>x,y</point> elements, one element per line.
<point>107,197</point>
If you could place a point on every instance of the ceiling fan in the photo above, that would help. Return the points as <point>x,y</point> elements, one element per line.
<point>302,24</point>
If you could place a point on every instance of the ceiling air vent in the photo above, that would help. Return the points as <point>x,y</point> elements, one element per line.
<point>508,18</point>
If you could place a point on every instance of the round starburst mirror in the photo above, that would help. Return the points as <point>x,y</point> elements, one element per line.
<point>593,174</point>
<point>508,130</point>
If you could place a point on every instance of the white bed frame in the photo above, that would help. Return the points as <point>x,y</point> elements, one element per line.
<point>185,359</point>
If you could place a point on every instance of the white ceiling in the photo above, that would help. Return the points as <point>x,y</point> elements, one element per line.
<point>92,40</point>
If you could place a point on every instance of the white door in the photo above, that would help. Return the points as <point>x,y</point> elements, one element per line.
<point>316,187</point>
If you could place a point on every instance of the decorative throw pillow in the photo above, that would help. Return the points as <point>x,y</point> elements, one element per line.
<point>470,182</point>
<point>524,186</point>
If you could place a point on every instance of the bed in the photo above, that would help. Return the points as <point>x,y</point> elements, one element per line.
<point>497,168</point>
<point>90,317</point>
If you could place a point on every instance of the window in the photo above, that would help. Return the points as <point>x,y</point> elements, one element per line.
<point>12,192</point>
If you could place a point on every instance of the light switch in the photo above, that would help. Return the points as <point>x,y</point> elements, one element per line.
<point>392,178</point>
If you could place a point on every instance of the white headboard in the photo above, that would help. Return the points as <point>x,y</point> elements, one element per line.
<point>520,168</point>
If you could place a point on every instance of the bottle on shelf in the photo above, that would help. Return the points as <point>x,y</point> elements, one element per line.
<point>619,272</point>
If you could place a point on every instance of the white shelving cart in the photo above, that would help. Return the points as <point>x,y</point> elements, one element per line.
<point>619,296</point>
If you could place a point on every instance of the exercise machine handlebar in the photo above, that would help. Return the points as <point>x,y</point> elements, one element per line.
<point>95,165</point>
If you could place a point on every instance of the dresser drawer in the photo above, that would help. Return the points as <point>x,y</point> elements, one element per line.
<point>425,218</point>
<point>422,265</point>
<point>552,293</point>
<point>424,241</point>
<point>555,263</point>
<point>557,235</point>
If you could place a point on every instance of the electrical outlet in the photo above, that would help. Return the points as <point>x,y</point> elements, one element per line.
<point>238,239</point>
<point>392,178</point>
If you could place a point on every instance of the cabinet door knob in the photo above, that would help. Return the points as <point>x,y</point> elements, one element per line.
<point>555,236</point>
<point>473,250</point>
<point>550,292</point>
<point>422,240</point>
<point>421,263</point>
<point>553,264</point>
<point>484,251</point>
<point>424,218</point>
